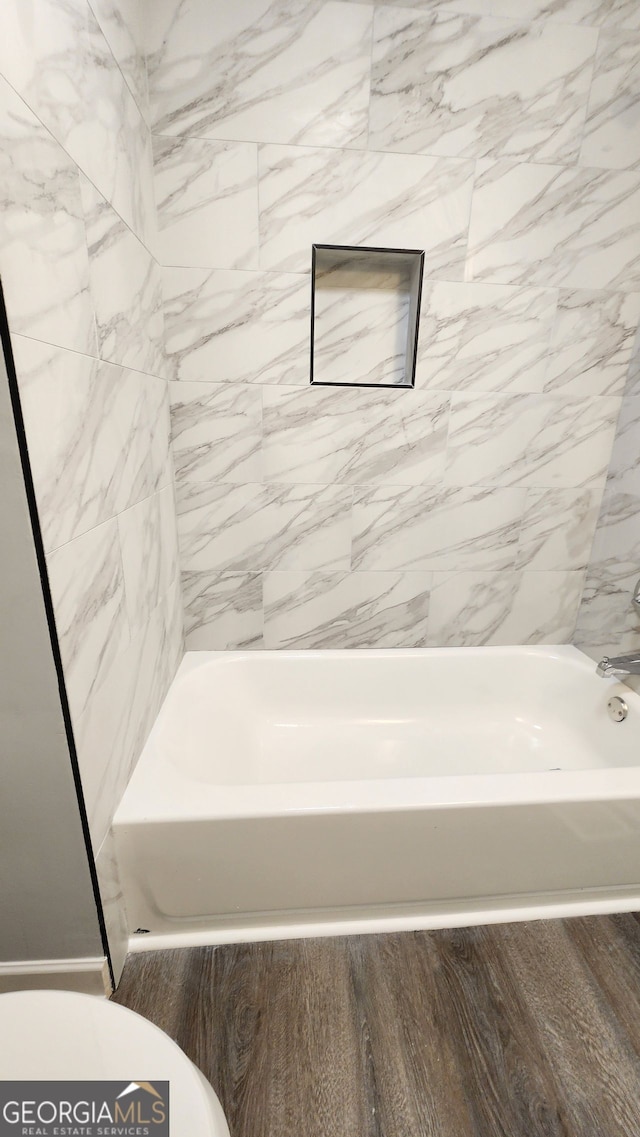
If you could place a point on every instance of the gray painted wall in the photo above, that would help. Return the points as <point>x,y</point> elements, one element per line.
<point>46,898</point>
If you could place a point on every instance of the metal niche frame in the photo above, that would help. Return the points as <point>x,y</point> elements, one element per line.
<point>410,262</point>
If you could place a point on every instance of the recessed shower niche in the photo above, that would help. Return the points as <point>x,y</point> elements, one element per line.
<point>365,309</point>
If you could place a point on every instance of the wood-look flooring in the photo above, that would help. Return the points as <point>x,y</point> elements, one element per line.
<point>513,1030</point>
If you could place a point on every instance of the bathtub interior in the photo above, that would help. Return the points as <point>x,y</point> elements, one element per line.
<point>292,717</point>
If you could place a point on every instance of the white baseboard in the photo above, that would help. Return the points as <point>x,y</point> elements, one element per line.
<point>90,975</point>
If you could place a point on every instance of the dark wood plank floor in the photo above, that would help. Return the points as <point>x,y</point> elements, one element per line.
<point>513,1030</point>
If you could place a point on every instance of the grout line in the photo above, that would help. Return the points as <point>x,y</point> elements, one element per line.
<point>94,358</point>
<point>78,169</point>
<point>90,5</point>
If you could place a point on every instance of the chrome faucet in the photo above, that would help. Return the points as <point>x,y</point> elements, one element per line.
<point>619,665</point>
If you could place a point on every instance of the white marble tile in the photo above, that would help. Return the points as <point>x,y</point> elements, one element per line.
<point>614,565</point>
<point>110,138</point>
<point>470,609</point>
<point>557,529</point>
<point>347,197</point>
<point>529,440</point>
<point>87,588</point>
<point>253,527</point>
<point>465,86</point>
<point>98,437</point>
<point>173,630</point>
<point>624,464</point>
<point>145,180</point>
<point>346,610</point>
<point>611,136</point>
<point>112,904</point>
<point>265,71</point>
<point>126,287</point>
<point>227,326</point>
<point>607,618</point>
<point>112,730</point>
<point>148,541</point>
<point>621,13</point>
<point>422,528</point>
<point>633,374</point>
<point>207,198</point>
<point>43,248</point>
<point>552,225</point>
<point>484,337</point>
<point>350,436</point>
<point>592,342</point>
<point>120,22</point>
<point>616,544</point>
<point>216,432</point>
<point>55,55</point>
<point>160,21</point>
<point>223,610</point>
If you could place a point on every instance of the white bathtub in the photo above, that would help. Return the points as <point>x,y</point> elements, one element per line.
<point>288,793</point>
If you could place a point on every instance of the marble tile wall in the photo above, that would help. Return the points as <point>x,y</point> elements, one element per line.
<point>83,293</point>
<point>608,622</point>
<point>501,138</point>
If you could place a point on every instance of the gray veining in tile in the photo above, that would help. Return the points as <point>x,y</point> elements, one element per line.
<point>619,13</point>
<point>98,437</point>
<point>216,432</point>
<point>56,57</point>
<point>346,610</point>
<point>126,288</point>
<point>45,264</point>
<point>265,71</point>
<point>348,197</point>
<point>134,680</point>
<point>592,342</point>
<point>207,198</point>
<point>121,24</point>
<point>607,617</point>
<point>484,337</point>
<point>464,86</point>
<point>421,528</point>
<point>230,326</point>
<point>346,435</point>
<point>555,225</point>
<point>611,136</point>
<point>251,527</point>
<point>532,440</point>
<point>342,503</point>
<point>148,543</point>
<point>87,587</point>
<point>624,465</point>
<point>223,610</point>
<point>472,609</point>
<point>557,528</point>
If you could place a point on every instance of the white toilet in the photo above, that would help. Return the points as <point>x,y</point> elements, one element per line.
<point>60,1035</point>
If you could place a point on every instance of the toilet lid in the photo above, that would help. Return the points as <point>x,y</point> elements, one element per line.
<point>56,1035</point>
